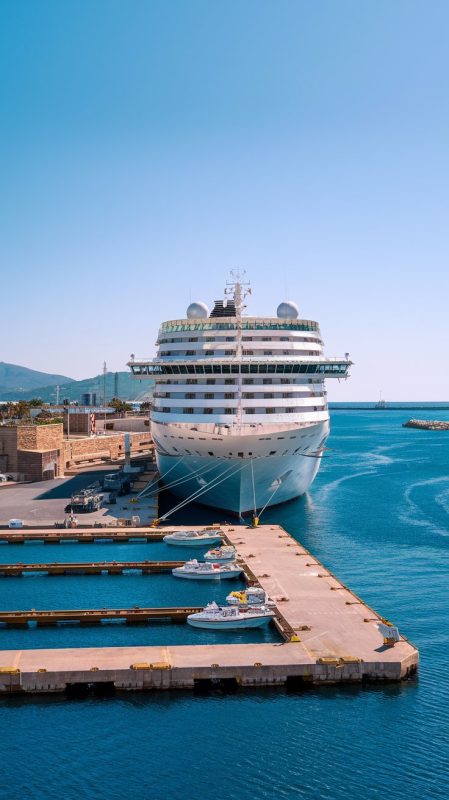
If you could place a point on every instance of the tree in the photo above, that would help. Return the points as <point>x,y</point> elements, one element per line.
<point>22,409</point>
<point>119,405</point>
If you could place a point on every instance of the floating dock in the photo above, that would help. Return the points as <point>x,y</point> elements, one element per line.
<point>91,568</point>
<point>95,616</point>
<point>330,636</point>
<point>82,535</point>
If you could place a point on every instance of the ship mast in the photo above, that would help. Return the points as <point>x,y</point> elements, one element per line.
<point>238,289</point>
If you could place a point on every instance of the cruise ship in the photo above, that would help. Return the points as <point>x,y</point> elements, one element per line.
<point>239,417</point>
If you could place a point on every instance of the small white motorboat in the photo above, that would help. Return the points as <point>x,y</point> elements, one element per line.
<point>193,538</point>
<point>200,570</point>
<point>252,596</point>
<point>219,554</point>
<point>228,618</point>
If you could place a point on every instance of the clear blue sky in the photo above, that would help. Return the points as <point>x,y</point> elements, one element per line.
<point>148,147</point>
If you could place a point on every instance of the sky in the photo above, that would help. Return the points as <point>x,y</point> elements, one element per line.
<point>148,147</point>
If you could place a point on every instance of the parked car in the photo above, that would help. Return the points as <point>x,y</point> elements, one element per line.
<point>3,478</point>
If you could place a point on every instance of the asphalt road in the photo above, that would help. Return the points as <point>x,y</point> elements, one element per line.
<point>44,502</point>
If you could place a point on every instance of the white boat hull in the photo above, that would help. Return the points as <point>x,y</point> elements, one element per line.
<point>226,482</point>
<point>210,576</point>
<point>193,542</point>
<point>230,625</point>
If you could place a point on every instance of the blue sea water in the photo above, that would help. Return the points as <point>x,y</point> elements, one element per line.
<point>378,516</point>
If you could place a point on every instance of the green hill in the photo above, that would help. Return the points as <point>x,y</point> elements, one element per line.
<point>14,378</point>
<point>128,388</point>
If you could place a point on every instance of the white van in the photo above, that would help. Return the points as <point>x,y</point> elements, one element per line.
<point>15,523</point>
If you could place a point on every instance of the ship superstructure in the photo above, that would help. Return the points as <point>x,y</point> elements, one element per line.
<point>239,417</point>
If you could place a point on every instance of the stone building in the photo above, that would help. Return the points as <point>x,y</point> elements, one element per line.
<point>40,452</point>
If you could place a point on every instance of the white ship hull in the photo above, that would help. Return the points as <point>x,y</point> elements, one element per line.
<point>280,468</point>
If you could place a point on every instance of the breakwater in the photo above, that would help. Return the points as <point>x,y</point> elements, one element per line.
<point>427,424</point>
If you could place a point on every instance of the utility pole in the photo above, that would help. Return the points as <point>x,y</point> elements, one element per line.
<point>105,370</point>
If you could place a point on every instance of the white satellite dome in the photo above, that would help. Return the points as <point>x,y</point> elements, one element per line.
<point>197,310</point>
<point>288,310</point>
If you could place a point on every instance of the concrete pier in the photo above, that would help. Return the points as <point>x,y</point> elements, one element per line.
<point>330,636</point>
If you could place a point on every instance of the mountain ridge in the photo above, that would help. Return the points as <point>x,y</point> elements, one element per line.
<point>128,388</point>
<point>18,378</point>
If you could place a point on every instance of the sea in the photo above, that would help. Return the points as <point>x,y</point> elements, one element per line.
<point>378,516</point>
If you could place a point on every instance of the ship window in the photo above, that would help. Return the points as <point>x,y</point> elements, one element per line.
<point>190,352</point>
<point>268,395</point>
<point>191,437</point>
<point>248,380</point>
<point>187,411</point>
<point>229,395</point>
<point>210,452</point>
<point>230,381</point>
<point>267,380</point>
<point>210,381</point>
<point>209,396</point>
<point>281,437</point>
<point>240,455</point>
<point>202,438</point>
<point>268,352</point>
<point>270,410</point>
<point>250,453</point>
<point>190,396</point>
<point>292,437</point>
<point>248,352</point>
<point>208,410</point>
<point>249,410</point>
<point>175,449</point>
<point>229,352</point>
<point>229,338</point>
<point>272,452</point>
<point>229,411</point>
<point>248,395</point>
<point>193,338</point>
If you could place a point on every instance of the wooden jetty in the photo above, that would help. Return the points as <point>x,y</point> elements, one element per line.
<point>82,535</point>
<point>91,568</point>
<point>329,635</point>
<point>91,616</point>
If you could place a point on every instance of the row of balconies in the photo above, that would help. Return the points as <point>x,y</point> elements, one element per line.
<point>223,384</point>
<point>232,395</point>
<point>211,351</point>
<point>232,339</point>
<point>229,410</point>
<point>233,402</point>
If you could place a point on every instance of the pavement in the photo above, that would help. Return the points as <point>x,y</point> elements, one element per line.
<point>43,502</point>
